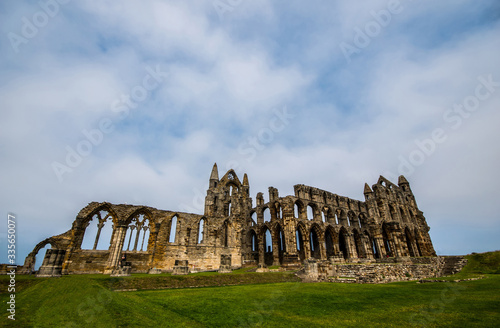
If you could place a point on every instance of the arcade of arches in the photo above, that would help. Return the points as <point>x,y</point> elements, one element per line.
<point>284,231</point>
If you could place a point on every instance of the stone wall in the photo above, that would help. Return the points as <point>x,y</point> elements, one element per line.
<point>405,269</point>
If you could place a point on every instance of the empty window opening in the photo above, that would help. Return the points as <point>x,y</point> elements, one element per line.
<point>40,256</point>
<point>268,241</point>
<point>310,213</point>
<point>267,214</point>
<point>315,250</point>
<point>201,232</point>
<point>254,218</point>
<point>137,235</point>
<point>254,242</point>
<point>298,236</point>
<point>173,230</point>
<point>99,231</point>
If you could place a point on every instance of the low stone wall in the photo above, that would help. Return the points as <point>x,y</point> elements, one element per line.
<point>395,270</point>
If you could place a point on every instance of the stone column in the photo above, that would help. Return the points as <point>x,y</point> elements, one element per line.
<point>379,244</point>
<point>116,248</point>
<point>322,246</point>
<point>261,249</point>
<point>276,251</point>
<point>348,246</point>
<point>367,246</point>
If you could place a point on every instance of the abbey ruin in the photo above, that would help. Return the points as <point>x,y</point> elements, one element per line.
<point>312,225</point>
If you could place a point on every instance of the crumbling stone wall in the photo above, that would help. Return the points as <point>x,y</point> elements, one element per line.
<point>285,231</point>
<point>407,269</point>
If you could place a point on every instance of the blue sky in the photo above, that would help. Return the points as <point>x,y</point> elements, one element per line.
<point>264,87</point>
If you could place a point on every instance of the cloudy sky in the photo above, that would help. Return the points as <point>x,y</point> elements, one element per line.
<point>133,101</point>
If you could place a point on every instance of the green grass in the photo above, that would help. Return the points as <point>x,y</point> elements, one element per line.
<point>88,301</point>
<point>483,263</point>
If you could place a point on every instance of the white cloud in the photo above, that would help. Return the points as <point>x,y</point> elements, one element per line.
<point>225,77</point>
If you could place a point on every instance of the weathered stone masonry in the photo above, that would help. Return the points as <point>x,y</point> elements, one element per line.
<point>284,231</point>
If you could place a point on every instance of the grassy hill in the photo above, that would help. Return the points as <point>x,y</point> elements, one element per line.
<point>270,300</point>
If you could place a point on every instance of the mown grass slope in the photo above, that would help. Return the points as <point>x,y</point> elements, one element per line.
<point>89,301</point>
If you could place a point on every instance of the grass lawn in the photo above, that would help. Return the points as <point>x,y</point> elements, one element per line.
<point>88,301</point>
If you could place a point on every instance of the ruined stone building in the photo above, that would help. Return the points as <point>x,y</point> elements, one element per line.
<point>284,231</point>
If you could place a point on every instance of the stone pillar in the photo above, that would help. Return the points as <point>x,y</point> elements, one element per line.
<point>322,246</point>
<point>153,238</point>
<point>379,244</point>
<point>350,246</point>
<point>261,249</point>
<point>115,248</point>
<point>398,251</point>
<point>367,247</point>
<point>276,251</point>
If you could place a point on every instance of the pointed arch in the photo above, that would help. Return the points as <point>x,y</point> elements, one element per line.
<point>137,234</point>
<point>34,260</point>
<point>99,229</point>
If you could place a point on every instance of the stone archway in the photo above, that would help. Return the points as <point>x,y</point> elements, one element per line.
<point>52,261</point>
